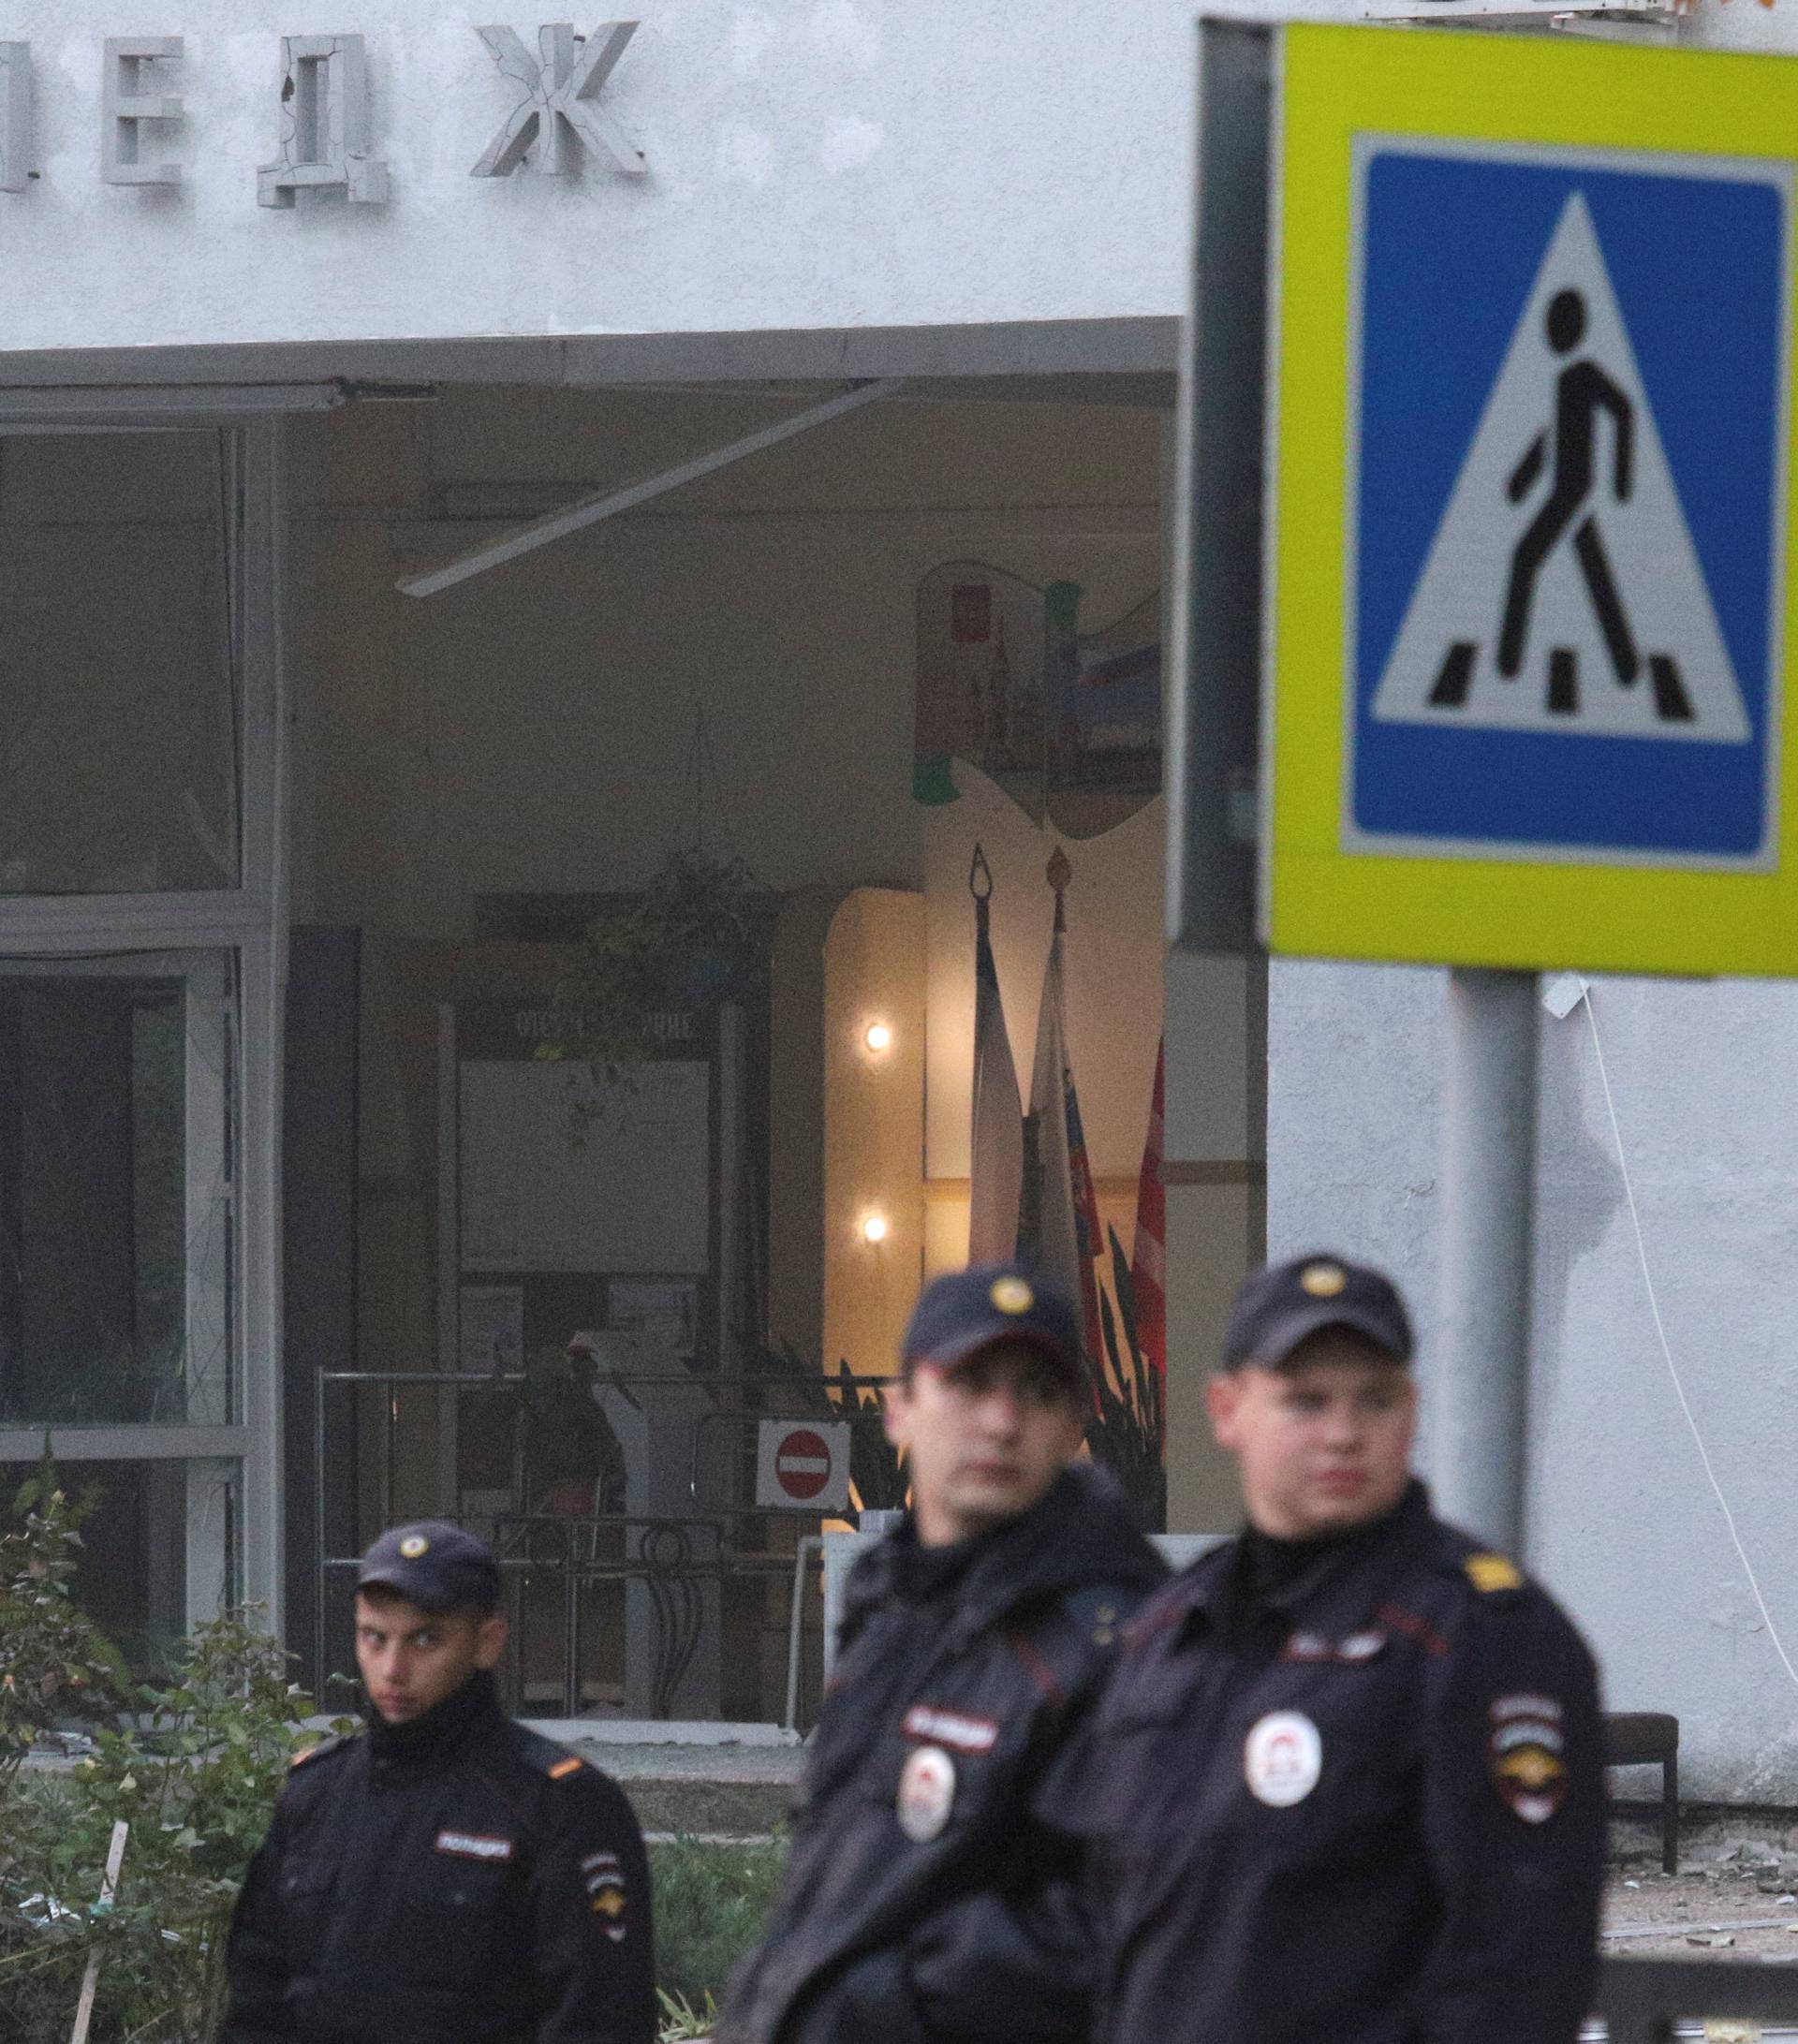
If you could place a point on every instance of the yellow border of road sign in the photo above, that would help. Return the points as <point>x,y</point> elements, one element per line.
<point>1319,900</point>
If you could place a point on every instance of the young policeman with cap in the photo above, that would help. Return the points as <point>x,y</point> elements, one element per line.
<point>449,1876</point>
<point>920,1902</point>
<point>1345,1788</point>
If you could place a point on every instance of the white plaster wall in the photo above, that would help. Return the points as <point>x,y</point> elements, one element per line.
<point>1623,1523</point>
<point>814,163</point>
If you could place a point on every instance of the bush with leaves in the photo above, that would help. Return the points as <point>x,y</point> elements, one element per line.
<point>195,1778</point>
<point>686,942</point>
<point>54,1662</point>
<point>192,1765</point>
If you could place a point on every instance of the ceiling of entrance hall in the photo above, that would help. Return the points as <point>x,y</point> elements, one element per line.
<point>483,455</point>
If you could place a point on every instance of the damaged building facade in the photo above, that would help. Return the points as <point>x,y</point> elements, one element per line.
<point>458,481</point>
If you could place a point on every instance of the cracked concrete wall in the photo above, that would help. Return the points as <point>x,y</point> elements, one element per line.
<point>812,163</point>
<point>1622,1522</point>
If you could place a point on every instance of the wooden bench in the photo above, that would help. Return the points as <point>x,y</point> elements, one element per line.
<point>1650,1738</point>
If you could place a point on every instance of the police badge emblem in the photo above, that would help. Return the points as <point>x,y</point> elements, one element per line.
<point>1282,1758</point>
<point>1524,1756</point>
<point>926,1794</point>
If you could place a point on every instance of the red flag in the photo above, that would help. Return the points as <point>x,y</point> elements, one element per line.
<point>1149,1256</point>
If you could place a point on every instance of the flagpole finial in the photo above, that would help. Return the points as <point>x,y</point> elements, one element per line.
<point>1060,871</point>
<point>978,872</point>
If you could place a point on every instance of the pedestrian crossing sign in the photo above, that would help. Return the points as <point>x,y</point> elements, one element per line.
<point>1531,576</point>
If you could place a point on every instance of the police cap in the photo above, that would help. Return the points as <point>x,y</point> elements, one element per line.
<point>434,1564</point>
<point>1283,1306</point>
<point>966,1311</point>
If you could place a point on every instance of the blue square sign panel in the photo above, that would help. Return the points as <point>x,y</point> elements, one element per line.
<point>1565,615</point>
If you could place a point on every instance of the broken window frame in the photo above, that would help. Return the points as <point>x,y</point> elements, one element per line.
<point>247,924</point>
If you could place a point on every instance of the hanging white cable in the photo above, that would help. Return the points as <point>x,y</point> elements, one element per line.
<point>1666,1346</point>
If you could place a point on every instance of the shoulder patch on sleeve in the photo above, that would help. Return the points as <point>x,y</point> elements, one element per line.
<point>317,1752</point>
<point>1488,1572</point>
<point>545,1756</point>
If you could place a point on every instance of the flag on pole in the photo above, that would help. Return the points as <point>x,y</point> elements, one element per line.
<point>1080,1173</point>
<point>996,1166</point>
<point>1149,1254</point>
<point>1058,1222</point>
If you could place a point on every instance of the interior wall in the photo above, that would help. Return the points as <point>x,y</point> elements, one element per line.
<point>737,663</point>
<point>796,1113</point>
<point>874,1127</point>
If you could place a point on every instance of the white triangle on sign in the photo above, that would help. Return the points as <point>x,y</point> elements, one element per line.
<point>1611,627</point>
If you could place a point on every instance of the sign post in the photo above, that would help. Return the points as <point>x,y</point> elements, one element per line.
<point>1480,1393</point>
<point>1527,574</point>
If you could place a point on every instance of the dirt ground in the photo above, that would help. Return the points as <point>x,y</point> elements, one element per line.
<point>1736,1895</point>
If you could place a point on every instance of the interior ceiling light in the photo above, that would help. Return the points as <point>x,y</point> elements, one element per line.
<point>879,1036</point>
<point>874,1228</point>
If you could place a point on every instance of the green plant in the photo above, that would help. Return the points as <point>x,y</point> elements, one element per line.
<point>191,1767</point>
<point>682,2024</point>
<point>1127,1432</point>
<point>55,1663</point>
<point>711,1902</point>
<point>195,1778</point>
<point>684,943</point>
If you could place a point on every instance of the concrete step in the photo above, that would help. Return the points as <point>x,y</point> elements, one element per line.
<point>725,1791</point>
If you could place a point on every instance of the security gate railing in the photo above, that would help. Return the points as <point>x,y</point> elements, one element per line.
<point>677,1564</point>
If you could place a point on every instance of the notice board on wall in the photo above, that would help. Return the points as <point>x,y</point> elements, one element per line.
<point>571,1204</point>
<point>563,1171</point>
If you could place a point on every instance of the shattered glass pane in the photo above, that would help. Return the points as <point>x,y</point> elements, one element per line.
<point>119,681</point>
<point>116,1210</point>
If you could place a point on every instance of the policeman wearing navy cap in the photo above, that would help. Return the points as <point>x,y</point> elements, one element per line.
<point>449,1873</point>
<point>1345,1788</point>
<point>921,1901</point>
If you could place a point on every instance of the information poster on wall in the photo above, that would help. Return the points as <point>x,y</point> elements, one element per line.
<point>561,1172</point>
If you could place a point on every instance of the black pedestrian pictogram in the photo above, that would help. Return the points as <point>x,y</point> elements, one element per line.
<point>1563,590</point>
<point>1581,391</point>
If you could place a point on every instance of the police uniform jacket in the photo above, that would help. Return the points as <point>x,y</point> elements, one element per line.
<point>920,1901</point>
<point>1363,1808</point>
<point>455,1877</point>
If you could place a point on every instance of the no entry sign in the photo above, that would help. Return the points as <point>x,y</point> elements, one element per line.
<point>803,1466</point>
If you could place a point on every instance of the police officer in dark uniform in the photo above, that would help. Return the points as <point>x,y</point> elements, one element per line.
<point>449,1877</point>
<point>920,1901</point>
<point>1345,1788</point>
